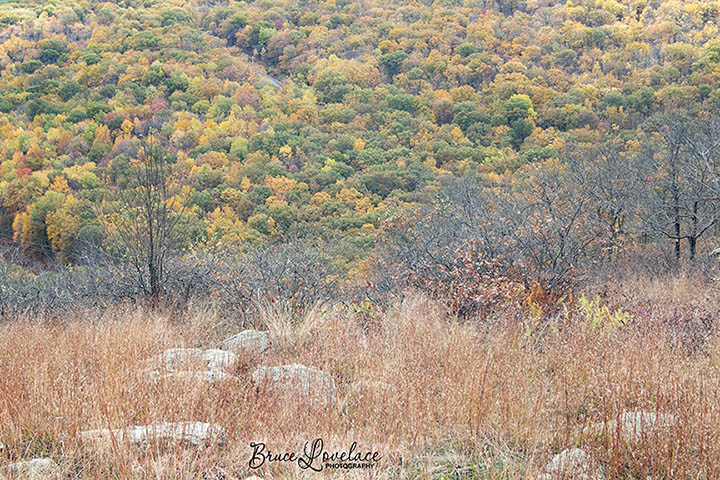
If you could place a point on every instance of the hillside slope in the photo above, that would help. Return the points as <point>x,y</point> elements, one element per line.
<point>328,114</point>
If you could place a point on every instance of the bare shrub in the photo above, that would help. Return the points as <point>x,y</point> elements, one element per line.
<point>478,245</point>
<point>297,274</point>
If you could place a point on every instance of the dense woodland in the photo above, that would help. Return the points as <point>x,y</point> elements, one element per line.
<point>544,135</point>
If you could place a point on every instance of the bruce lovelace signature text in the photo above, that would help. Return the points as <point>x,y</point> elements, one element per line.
<point>314,457</point>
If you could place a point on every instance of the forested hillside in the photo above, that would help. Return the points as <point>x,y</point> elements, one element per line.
<point>328,114</point>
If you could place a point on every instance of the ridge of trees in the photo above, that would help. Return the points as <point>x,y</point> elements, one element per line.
<point>337,117</point>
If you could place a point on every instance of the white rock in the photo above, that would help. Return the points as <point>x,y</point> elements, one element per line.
<point>178,359</point>
<point>188,376</point>
<point>297,381</point>
<point>253,478</point>
<point>715,253</point>
<point>248,343</point>
<point>216,358</point>
<point>37,468</point>
<point>194,433</point>
<point>571,464</point>
<point>632,425</point>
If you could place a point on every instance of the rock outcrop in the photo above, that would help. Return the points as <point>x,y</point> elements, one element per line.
<point>197,434</point>
<point>190,364</point>
<point>35,469</point>
<point>209,376</point>
<point>177,359</point>
<point>297,382</point>
<point>572,464</point>
<point>632,425</point>
<point>247,344</point>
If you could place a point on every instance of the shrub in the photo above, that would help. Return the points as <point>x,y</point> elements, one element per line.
<point>298,274</point>
<point>480,248</point>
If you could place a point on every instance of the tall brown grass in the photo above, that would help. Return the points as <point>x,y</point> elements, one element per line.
<point>442,398</point>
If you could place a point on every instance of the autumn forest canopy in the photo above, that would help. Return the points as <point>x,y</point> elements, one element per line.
<point>472,148</point>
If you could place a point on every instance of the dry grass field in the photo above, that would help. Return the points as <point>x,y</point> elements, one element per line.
<point>440,399</point>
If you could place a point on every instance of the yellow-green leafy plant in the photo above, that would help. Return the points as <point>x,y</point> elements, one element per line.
<point>601,318</point>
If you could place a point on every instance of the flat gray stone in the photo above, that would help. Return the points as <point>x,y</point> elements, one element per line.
<point>188,376</point>
<point>37,468</point>
<point>193,433</point>
<point>632,425</point>
<point>179,359</point>
<point>248,343</point>
<point>297,381</point>
<point>572,464</point>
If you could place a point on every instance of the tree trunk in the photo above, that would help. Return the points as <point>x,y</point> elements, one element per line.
<point>677,234</point>
<point>692,238</point>
<point>676,208</point>
<point>692,241</point>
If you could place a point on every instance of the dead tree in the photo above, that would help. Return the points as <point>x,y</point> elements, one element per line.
<point>682,179</point>
<point>608,175</point>
<point>141,227</point>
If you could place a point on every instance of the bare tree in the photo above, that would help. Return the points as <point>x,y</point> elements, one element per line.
<point>298,273</point>
<point>476,242</point>
<point>682,178</point>
<point>555,233</point>
<point>142,226</point>
<point>608,174</point>
<point>702,144</point>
